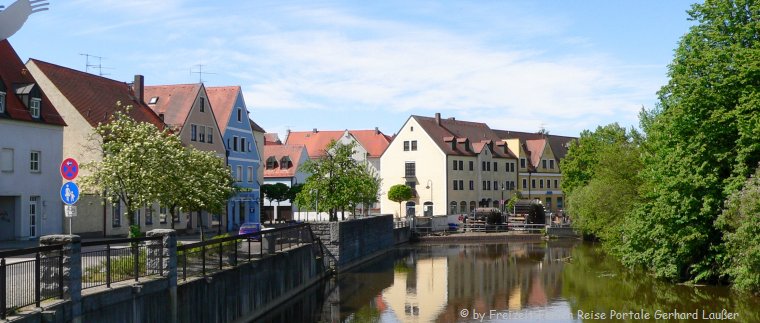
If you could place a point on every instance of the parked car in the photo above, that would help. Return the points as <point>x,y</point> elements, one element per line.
<point>251,227</point>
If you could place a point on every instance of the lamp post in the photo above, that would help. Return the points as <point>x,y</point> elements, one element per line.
<point>502,198</point>
<point>530,183</point>
<point>430,187</point>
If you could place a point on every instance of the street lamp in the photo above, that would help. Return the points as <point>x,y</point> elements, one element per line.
<point>530,183</point>
<point>430,187</point>
<point>502,198</point>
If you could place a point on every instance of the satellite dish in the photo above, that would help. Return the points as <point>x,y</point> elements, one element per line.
<point>14,17</point>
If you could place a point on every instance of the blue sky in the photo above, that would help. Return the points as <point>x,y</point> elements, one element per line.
<point>517,65</point>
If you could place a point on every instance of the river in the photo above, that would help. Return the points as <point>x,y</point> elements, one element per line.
<point>555,281</point>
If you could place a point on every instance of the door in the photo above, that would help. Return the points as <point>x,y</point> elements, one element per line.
<point>7,217</point>
<point>34,210</point>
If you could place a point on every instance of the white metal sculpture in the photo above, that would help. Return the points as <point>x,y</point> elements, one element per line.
<point>14,17</point>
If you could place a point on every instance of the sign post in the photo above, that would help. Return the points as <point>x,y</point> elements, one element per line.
<point>70,190</point>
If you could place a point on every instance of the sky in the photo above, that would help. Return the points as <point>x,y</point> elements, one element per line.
<point>564,66</point>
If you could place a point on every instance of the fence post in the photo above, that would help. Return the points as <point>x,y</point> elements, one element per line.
<point>165,259</point>
<point>67,273</point>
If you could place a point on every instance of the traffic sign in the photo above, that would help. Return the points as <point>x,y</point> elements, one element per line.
<point>69,168</point>
<point>70,193</point>
<point>71,211</point>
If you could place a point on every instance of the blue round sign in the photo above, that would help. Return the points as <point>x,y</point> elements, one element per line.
<point>69,193</point>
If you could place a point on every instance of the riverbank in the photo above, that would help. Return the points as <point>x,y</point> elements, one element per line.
<point>482,237</point>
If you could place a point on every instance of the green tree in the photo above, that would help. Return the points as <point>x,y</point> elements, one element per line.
<point>400,193</point>
<point>131,170</point>
<point>702,141</point>
<point>366,187</point>
<point>335,177</point>
<point>740,221</point>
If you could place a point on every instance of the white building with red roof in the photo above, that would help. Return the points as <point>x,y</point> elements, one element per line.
<point>282,165</point>
<point>31,150</point>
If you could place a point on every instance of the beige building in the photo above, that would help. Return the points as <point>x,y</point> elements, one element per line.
<point>539,177</point>
<point>185,108</point>
<point>85,100</point>
<point>453,167</point>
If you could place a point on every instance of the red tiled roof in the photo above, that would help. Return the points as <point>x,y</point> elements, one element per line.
<point>222,100</point>
<point>94,96</point>
<point>471,137</point>
<point>13,73</point>
<point>272,139</point>
<point>174,101</point>
<point>294,152</point>
<point>374,141</point>
<point>536,148</point>
<point>559,144</point>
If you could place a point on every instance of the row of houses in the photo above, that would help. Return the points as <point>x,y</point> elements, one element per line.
<point>49,112</point>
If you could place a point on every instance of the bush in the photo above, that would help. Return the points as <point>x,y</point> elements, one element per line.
<point>536,214</point>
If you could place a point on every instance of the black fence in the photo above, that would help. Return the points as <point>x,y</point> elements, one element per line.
<point>205,257</point>
<point>400,223</point>
<point>30,276</point>
<point>119,260</point>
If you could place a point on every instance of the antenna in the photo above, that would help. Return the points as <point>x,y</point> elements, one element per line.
<point>99,66</point>
<point>200,72</point>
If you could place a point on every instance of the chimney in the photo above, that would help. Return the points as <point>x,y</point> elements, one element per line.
<point>314,130</point>
<point>438,118</point>
<point>161,115</point>
<point>377,130</point>
<point>139,88</point>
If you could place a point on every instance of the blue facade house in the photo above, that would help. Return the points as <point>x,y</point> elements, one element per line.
<point>243,156</point>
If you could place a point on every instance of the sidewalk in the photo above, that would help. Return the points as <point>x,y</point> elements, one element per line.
<point>21,244</point>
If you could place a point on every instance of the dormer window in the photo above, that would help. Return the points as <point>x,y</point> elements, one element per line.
<point>271,162</point>
<point>285,162</point>
<point>34,107</point>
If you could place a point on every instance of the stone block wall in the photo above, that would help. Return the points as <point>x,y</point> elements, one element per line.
<point>352,241</point>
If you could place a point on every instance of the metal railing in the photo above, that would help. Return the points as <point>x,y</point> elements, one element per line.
<point>120,260</point>
<point>205,257</point>
<point>25,281</point>
<point>400,223</point>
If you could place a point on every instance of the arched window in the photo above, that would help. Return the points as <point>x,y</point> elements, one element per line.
<point>285,162</point>
<point>453,207</point>
<point>410,206</point>
<point>427,208</point>
<point>463,207</point>
<point>472,205</point>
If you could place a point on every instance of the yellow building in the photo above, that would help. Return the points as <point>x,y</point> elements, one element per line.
<point>452,165</point>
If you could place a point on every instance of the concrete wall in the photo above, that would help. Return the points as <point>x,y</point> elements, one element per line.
<point>356,240</point>
<point>401,235</point>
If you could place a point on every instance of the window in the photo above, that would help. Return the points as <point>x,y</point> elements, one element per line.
<point>559,202</point>
<point>202,134</point>
<point>453,207</point>
<point>242,144</point>
<point>484,185</point>
<point>525,183</point>
<point>496,185</point>
<point>209,135</point>
<point>34,208</point>
<point>235,143</point>
<point>482,166</point>
<point>414,145</point>
<point>240,114</point>
<point>551,163</point>
<point>495,167</point>
<point>193,132</point>
<point>513,167</point>
<point>456,185</point>
<point>488,187</point>
<point>463,207</point>
<point>543,163</point>
<point>203,104</point>
<point>413,185</point>
<point>175,218</point>
<point>548,184</point>
<point>488,166</point>
<point>153,100</point>
<point>271,162</point>
<point>250,174</point>
<point>34,107</point>
<point>6,160</point>
<point>556,183</point>
<point>2,102</point>
<point>541,183</point>
<point>472,165</point>
<point>461,185</point>
<point>34,161</point>
<point>472,205</point>
<point>461,165</point>
<point>239,174</point>
<point>533,183</point>
<point>455,164</point>
<point>116,215</point>
<point>285,162</point>
<point>472,185</point>
<point>406,145</point>
<point>162,214</point>
<point>410,169</point>
<point>522,162</point>
<point>548,202</point>
<point>149,215</point>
